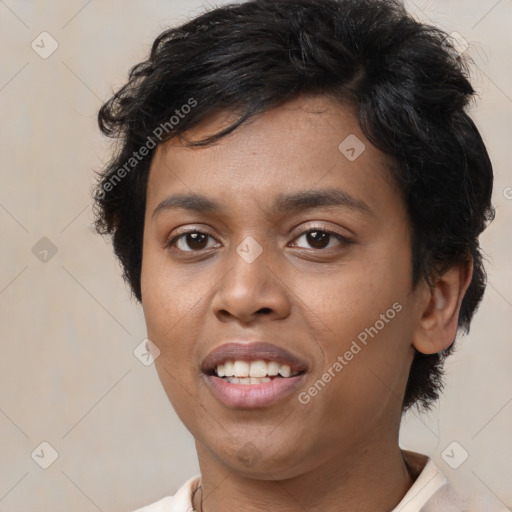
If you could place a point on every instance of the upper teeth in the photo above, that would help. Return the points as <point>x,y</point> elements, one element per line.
<point>259,368</point>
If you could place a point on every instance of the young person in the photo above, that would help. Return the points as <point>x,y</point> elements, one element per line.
<point>296,200</point>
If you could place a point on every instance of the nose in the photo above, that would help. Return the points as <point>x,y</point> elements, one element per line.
<point>252,290</point>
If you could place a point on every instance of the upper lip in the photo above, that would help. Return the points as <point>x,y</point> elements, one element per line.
<point>251,351</point>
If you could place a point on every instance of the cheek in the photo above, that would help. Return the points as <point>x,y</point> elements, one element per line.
<point>174,302</point>
<point>169,316</point>
<point>362,317</point>
<point>167,297</point>
<point>346,303</point>
<point>166,305</point>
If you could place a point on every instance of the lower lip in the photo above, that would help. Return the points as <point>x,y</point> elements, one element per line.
<point>251,396</point>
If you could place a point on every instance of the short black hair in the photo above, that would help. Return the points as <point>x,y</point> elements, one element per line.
<point>408,84</point>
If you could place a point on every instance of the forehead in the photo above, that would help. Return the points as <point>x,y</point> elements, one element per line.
<point>309,143</point>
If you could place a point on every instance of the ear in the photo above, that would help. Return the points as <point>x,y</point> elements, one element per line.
<point>439,314</point>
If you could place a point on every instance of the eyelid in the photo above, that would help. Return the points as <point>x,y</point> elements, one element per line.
<point>341,238</point>
<point>170,241</point>
<point>320,227</point>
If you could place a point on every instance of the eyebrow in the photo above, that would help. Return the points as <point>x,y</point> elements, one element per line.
<point>284,203</point>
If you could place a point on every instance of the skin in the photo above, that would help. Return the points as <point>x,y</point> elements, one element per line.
<point>339,451</point>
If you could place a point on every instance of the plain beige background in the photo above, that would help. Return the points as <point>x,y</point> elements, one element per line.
<point>69,376</point>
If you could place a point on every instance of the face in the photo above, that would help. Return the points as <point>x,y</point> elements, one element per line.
<point>295,260</point>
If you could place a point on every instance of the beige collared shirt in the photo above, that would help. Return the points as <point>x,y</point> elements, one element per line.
<point>429,493</point>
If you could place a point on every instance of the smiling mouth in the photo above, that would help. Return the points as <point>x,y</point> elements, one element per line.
<point>252,372</point>
<point>248,375</point>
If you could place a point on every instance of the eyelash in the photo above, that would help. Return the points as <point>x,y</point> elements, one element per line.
<point>342,239</point>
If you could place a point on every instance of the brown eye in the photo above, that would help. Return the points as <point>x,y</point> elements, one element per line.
<point>191,241</point>
<point>321,238</point>
<point>318,239</point>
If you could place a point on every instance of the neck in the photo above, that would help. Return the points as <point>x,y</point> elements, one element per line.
<point>370,477</point>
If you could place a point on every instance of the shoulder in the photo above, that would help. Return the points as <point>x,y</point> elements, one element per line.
<point>430,491</point>
<point>180,502</point>
<point>446,500</point>
<point>433,492</point>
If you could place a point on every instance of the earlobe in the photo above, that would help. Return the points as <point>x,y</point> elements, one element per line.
<point>438,322</point>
